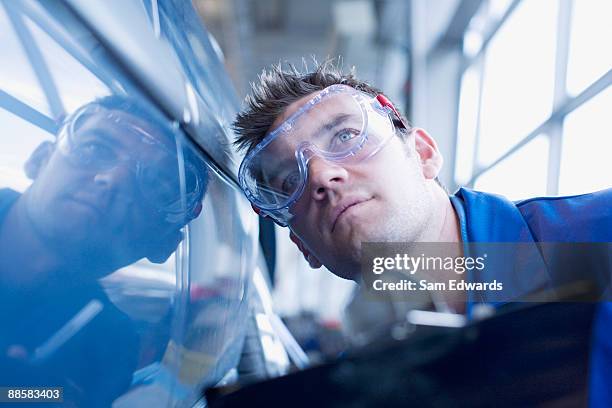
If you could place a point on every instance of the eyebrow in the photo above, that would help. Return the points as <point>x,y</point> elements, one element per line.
<point>97,134</point>
<point>332,123</point>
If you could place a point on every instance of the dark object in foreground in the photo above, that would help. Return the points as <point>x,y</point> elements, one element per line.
<point>531,355</point>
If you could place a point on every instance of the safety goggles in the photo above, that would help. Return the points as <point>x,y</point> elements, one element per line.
<point>117,141</point>
<point>339,124</point>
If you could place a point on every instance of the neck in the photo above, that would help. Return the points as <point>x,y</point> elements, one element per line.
<point>443,225</point>
<point>445,228</point>
<point>450,230</point>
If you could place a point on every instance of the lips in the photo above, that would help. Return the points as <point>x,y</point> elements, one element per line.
<point>89,203</point>
<point>342,206</point>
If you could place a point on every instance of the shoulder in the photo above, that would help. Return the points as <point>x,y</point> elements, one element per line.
<point>7,198</point>
<point>602,197</point>
<point>585,217</point>
<point>491,217</point>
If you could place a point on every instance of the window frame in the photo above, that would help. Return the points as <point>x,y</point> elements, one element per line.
<point>563,102</point>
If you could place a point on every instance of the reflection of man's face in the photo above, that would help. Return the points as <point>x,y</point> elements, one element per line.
<point>89,197</point>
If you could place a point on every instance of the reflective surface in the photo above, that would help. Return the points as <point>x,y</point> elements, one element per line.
<point>125,258</point>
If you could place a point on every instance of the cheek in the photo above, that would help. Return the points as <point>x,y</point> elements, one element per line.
<point>307,233</point>
<point>59,185</point>
<point>59,167</point>
<point>298,227</point>
<point>405,165</point>
<point>400,186</point>
<point>394,171</point>
<point>301,217</point>
<point>143,220</point>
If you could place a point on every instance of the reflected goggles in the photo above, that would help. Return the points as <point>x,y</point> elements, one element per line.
<point>339,124</point>
<point>155,164</point>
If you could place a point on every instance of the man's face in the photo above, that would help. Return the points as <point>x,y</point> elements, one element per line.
<point>385,197</point>
<point>94,209</point>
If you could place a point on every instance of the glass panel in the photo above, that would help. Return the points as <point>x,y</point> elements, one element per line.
<point>518,78</point>
<point>218,303</point>
<point>16,74</point>
<point>121,279</point>
<point>210,317</point>
<point>587,143</point>
<point>19,140</point>
<point>85,279</point>
<point>589,54</point>
<point>521,175</point>
<point>200,61</point>
<point>468,121</point>
<point>75,83</point>
<point>208,85</point>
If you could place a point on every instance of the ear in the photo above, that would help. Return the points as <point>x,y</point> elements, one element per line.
<point>196,211</point>
<point>162,251</point>
<point>38,159</point>
<point>428,153</point>
<point>312,260</point>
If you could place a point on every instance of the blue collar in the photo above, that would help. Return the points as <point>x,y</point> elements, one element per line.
<point>489,218</point>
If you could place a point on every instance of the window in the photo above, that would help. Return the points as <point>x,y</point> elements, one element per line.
<point>18,78</point>
<point>488,16</point>
<point>75,84</point>
<point>589,57</point>
<point>518,78</point>
<point>520,175</point>
<point>20,138</point>
<point>587,143</point>
<point>468,123</point>
<point>546,73</point>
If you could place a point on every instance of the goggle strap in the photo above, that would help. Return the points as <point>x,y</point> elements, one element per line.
<point>382,99</point>
<point>257,211</point>
<point>262,214</point>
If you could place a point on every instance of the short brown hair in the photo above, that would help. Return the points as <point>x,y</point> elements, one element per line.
<point>278,88</point>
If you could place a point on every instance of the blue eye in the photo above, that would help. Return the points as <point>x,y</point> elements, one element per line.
<point>344,136</point>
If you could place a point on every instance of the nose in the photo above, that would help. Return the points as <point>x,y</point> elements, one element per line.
<point>325,177</point>
<point>118,177</point>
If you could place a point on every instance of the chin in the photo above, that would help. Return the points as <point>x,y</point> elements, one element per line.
<point>346,261</point>
<point>348,273</point>
<point>368,233</point>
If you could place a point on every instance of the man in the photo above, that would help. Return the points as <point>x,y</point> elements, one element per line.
<point>105,194</point>
<point>329,156</point>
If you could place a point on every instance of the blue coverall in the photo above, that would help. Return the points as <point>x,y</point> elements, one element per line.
<point>487,217</point>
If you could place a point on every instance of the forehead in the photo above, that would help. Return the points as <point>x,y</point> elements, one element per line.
<point>292,108</point>
<point>324,110</point>
<point>121,128</point>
